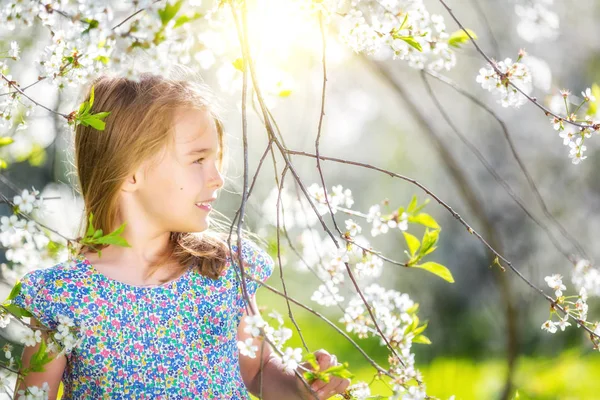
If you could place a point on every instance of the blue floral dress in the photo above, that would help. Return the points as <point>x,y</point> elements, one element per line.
<point>177,340</point>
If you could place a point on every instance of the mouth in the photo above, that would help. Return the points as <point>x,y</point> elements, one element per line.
<point>205,205</point>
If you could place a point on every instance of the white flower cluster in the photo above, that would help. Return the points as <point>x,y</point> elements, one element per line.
<point>399,28</point>
<point>254,324</point>
<point>573,136</point>
<point>14,51</point>
<point>34,392</point>
<point>331,267</point>
<point>587,277</point>
<point>360,391</point>
<point>381,224</point>
<point>25,243</point>
<point>338,197</point>
<point>394,313</point>
<point>514,72</point>
<point>65,337</point>
<point>577,309</point>
<point>537,22</point>
<point>292,212</point>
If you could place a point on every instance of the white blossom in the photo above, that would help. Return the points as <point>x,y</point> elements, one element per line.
<point>291,358</point>
<point>247,348</point>
<point>587,95</point>
<point>360,391</point>
<point>34,392</point>
<point>14,50</point>
<point>549,326</point>
<point>327,294</point>
<point>352,227</point>
<point>515,72</point>
<point>253,324</point>
<point>555,282</point>
<point>586,278</point>
<point>563,323</point>
<point>31,337</point>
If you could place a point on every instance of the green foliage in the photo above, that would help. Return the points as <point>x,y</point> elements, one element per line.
<point>340,371</point>
<point>437,269</point>
<point>6,140</point>
<point>40,358</point>
<point>417,249</point>
<point>84,117</point>
<point>13,309</point>
<point>460,37</point>
<point>95,236</point>
<point>167,13</point>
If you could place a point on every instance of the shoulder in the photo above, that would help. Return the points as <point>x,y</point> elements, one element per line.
<point>252,253</point>
<point>57,274</point>
<point>43,291</point>
<point>49,283</point>
<point>258,264</point>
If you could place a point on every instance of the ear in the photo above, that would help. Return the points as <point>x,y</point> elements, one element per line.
<point>133,181</point>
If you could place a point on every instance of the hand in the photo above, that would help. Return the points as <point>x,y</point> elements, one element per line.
<point>324,390</point>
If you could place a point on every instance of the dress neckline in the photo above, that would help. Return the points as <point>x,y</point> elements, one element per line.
<point>83,259</point>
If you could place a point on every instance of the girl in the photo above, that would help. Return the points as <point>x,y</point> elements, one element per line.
<point>160,316</point>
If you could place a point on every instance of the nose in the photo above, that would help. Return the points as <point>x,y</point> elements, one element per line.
<point>216,180</point>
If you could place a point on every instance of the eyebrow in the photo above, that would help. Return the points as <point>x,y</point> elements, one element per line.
<point>199,151</point>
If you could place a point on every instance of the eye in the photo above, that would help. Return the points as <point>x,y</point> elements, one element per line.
<point>199,161</point>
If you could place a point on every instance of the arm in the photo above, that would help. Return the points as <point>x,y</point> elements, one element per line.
<point>277,383</point>
<point>52,371</point>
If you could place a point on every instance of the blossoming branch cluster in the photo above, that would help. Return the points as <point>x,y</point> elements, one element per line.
<point>587,279</point>
<point>394,312</point>
<point>404,28</point>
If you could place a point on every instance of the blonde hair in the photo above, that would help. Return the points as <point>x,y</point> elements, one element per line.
<point>139,127</point>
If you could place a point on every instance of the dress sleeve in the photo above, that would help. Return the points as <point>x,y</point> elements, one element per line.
<point>35,297</point>
<point>257,263</point>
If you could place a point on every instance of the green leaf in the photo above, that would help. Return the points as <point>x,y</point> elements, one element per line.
<point>92,24</point>
<point>403,22</point>
<point>340,371</point>
<point>91,103</point>
<point>40,358</point>
<point>412,206</point>
<point>411,41</point>
<point>312,359</point>
<point>90,229</point>
<point>184,19</point>
<point>437,269</point>
<point>421,339</point>
<point>430,238</point>
<point>53,248</point>
<point>460,37</point>
<point>419,208</point>
<point>412,242</point>
<point>425,220</point>
<point>3,164</point>
<point>82,108</point>
<point>420,329</point>
<point>116,240</point>
<point>6,140</point>
<point>413,309</point>
<point>97,234</point>
<point>14,292</point>
<point>93,122</point>
<point>168,13</point>
<point>18,311</point>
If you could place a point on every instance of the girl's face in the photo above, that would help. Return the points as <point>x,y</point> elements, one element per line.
<point>176,182</point>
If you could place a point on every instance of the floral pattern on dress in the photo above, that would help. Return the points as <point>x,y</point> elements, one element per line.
<point>171,341</point>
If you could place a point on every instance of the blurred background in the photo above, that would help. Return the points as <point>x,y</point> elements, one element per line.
<point>379,111</point>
